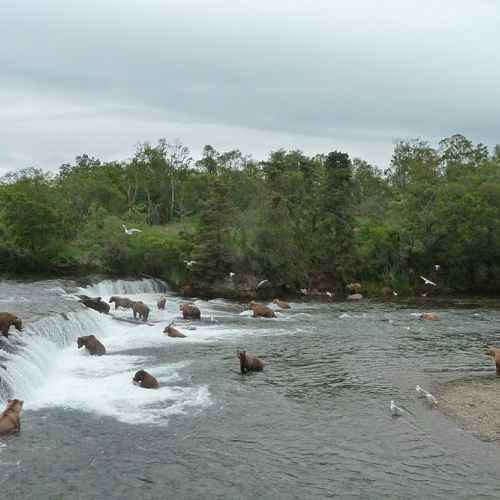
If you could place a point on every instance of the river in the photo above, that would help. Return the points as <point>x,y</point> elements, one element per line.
<point>314,424</point>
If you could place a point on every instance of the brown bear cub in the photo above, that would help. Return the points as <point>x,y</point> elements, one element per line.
<point>162,303</point>
<point>494,352</point>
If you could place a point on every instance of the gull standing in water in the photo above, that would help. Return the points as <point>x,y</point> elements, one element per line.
<point>430,398</point>
<point>131,230</point>
<point>420,392</point>
<point>428,282</point>
<point>396,411</point>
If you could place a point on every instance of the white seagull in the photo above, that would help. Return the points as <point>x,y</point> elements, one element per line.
<point>189,263</point>
<point>430,398</point>
<point>330,294</point>
<point>428,282</point>
<point>303,291</point>
<point>420,392</point>
<point>231,274</point>
<point>395,294</point>
<point>436,267</point>
<point>261,283</point>
<point>396,411</point>
<point>130,231</point>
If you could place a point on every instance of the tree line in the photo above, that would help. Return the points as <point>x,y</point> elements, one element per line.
<point>299,221</point>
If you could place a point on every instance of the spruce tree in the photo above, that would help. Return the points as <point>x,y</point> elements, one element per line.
<point>212,251</point>
<point>338,253</point>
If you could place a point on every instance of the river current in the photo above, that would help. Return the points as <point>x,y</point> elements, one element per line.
<point>314,424</point>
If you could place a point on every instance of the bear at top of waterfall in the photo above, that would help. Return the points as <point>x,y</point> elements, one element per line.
<point>189,310</point>
<point>7,320</point>
<point>141,309</point>
<point>145,380</point>
<point>261,310</point>
<point>249,362</point>
<point>124,302</point>
<point>10,419</point>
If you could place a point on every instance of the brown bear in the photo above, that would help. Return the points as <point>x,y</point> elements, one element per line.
<point>162,303</point>
<point>261,310</point>
<point>249,362</point>
<point>173,332</point>
<point>189,311</point>
<point>8,319</point>
<point>141,309</point>
<point>387,291</point>
<point>354,288</point>
<point>10,419</point>
<point>95,303</point>
<point>144,379</point>
<point>92,345</point>
<point>429,316</point>
<point>494,352</point>
<point>121,302</point>
<point>281,304</point>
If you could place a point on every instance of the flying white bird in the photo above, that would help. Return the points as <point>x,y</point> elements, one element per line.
<point>437,267</point>
<point>395,294</point>
<point>303,291</point>
<point>330,294</point>
<point>261,283</point>
<point>131,230</point>
<point>231,275</point>
<point>428,282</point>
<point>189,263</point>
<point>424,294</point>
<point>420,392</point>
<point>396,411</point>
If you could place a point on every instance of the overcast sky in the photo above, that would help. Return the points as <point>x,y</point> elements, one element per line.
<point>99,76</point>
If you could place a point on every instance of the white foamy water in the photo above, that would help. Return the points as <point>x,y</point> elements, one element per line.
<point>46,368</point>
<point>107,288</point>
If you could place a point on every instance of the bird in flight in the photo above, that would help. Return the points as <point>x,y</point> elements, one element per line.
<point>231,274</point>
<point>437,267</point>
<point>131,230</point>
<point>189,263</point>
<point>428,282</point>
<point>261,283</point>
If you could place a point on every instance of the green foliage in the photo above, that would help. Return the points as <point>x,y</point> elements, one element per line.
<point>294,219</point>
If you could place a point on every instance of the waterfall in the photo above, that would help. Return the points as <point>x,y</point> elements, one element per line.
<point>29,356</point>
<point>107,288</point>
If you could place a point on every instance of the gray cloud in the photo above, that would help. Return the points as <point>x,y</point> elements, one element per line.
<point>355,75</point>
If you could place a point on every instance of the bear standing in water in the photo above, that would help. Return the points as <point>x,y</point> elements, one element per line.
<point>249,362</point>
<point>10,419</point>
<point>8,319</point>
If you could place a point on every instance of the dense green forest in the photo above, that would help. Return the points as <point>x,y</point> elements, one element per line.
<point>299,221</point>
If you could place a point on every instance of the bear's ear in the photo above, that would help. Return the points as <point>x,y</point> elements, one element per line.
<point>9,400</point>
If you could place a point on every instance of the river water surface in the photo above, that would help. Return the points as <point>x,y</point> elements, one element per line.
<point>314,424</point>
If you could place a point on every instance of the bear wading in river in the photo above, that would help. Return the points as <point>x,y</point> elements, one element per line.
<point>140,309</point>
<point>7,320</point>
<point>145,380</point>
<point>92,345</point>
<point>10,419</point>
<point>121,302</point>
<point>248,362</point>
